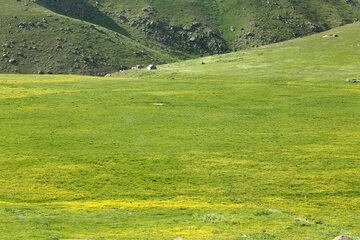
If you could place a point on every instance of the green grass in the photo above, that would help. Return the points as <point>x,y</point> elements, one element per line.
<point>259,144</point>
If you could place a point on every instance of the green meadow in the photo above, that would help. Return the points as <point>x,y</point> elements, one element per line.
<point>258,144</point>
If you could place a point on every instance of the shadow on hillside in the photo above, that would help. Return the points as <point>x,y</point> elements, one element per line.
<point>82,10</point>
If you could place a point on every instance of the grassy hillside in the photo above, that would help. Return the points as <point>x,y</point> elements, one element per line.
<point>259,144</point>
<point>314,57</point>
<point>113,35</point>
<point>34,39</point>
<point>240,24</point>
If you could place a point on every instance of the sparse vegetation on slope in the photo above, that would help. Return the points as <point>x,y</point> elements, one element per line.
<point>36,40</point>
<point>190,26</point>
<point>157,31</point>
<point>259,144</point>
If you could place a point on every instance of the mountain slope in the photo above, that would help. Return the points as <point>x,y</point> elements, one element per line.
<point>210,26</point>
<point>34,39</point>
<point>109,35</point>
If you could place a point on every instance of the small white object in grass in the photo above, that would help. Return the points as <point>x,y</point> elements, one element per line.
<point>353,80</point>
<point>151,67</point>
<point>158,104</point>
<point>342,237</point>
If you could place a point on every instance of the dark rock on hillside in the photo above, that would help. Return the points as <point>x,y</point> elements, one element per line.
<point>351,2</point>
<point>13,61</point>
<point>22,25</point>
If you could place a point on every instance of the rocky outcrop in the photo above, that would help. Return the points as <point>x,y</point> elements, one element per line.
<point>195,38</point>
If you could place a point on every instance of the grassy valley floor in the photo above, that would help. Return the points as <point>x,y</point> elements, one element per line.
<point>260,144</point>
